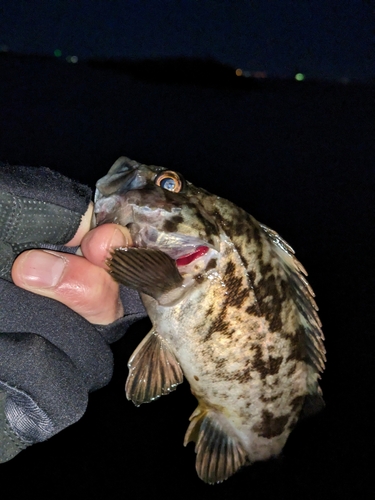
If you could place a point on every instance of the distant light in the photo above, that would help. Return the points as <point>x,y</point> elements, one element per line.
<point>239,72</point>
<point>259,74</point>
<point>71,59</point>
<point>246,74</point>
<point>299,77</point>
<point>57,53</point>
<point>4,48</point>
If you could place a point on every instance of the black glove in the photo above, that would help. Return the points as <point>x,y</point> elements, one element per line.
<point>50,357</point>
<point>38,207</point>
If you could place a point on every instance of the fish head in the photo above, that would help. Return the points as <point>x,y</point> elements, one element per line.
<point>159,207</point>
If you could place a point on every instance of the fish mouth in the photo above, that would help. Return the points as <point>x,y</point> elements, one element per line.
<point>183,249</point>
<point>109,210</point>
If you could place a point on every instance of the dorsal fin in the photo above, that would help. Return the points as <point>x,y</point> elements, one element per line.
<point>153,370</point>
<point>219,455</point>
<point>304,299</point>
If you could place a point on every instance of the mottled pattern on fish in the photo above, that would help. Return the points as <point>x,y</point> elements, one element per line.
<point>242,322</point>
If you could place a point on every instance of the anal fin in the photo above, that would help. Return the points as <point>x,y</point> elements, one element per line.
<point>153,370</point>
<point>219,455</point>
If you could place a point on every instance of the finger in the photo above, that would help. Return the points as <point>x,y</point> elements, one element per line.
<point>84,227</point>
<point>96,246</point>
<point>72,280</point>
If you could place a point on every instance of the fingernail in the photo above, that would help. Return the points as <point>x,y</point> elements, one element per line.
<point>42,269</point>
<point>118,239</point>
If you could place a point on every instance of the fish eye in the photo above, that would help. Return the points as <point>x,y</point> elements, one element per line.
<point>170,181</point>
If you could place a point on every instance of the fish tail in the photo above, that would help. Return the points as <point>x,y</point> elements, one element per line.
<point>219,454</point>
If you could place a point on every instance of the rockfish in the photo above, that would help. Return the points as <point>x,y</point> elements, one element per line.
<point>231,311</point>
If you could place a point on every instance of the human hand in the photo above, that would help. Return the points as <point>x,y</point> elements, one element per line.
<point>79,282</point>
<point>51,358</point>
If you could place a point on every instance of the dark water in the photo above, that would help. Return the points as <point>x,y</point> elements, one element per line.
<point>301,159</point>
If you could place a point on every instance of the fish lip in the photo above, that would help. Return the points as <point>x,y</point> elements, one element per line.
<point>103,217</point>
<point>116,183</point>
<point>108,208</point>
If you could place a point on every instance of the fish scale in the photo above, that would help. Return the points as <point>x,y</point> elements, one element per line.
<point>231,311</point>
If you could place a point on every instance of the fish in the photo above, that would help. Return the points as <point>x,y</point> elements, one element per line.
<point>231,311</point>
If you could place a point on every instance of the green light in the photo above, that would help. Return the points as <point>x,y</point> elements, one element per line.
<point>71,59</point>
<point>57,53</point>
<point>299,77</point>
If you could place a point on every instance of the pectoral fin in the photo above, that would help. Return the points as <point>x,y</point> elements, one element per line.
<point>219,455</point>
<point>153,370</point>
<point>146,270</point>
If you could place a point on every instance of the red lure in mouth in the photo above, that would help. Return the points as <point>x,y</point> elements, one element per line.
<point>184,261</point>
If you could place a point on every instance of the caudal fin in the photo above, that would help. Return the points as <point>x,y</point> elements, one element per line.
<point>219,455</point>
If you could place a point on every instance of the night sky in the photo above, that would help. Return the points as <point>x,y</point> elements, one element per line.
<point>321,38</point>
